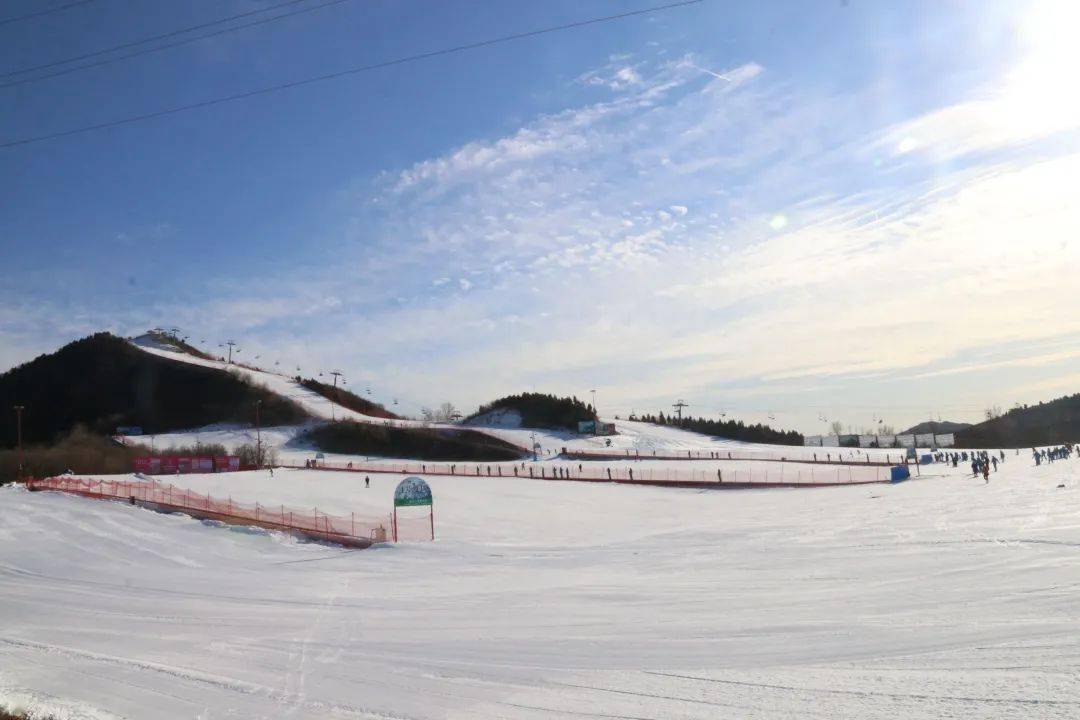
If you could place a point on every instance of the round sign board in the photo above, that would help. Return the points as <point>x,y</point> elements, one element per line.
<point>412,491</point>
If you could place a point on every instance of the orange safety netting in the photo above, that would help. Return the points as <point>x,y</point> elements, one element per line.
<point>350,529</point>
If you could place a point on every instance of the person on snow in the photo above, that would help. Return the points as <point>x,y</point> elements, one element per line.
<point>986,472</point>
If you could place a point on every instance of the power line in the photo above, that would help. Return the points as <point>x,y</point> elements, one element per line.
<point>185,41</point>
<point>144,41</point>
<point>39,13</point>
<point>343,73</point>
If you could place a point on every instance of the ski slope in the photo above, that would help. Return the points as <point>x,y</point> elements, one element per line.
<point>633,437</point>
<point>313,403</point>
<point>943,597</point>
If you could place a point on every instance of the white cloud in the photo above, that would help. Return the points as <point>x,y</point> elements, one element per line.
<point>802,265</point>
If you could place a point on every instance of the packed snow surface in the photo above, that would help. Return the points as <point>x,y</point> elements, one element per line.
<point>941,597</point>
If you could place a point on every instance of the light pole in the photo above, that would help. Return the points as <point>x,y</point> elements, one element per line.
<point>18,425</point>
<point>595,411</point>
<point>231,344</point>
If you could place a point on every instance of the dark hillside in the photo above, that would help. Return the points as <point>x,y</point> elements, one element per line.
<point>346,399</point>
<point>354,438</point>
<point>1051,423</point>
<point>540,410</point>
<point>936,427</point>
<point>102,381</point>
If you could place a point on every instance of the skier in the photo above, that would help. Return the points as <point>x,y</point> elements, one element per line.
<point>986,472</point>
<point>974,467</point>
<point>367,481</point>
<point>995,461</point>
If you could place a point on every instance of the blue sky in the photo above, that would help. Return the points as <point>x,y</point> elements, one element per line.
<point>849,210</point>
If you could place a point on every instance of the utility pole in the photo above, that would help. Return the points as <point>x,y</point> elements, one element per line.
<point>18,424</point>
<point>336,374</point>
<point>258,437</point>
<point>230,343</point>
<point>678,409</point>
<point>595,411</point>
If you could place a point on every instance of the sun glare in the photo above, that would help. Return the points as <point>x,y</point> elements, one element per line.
<point>1040,90</point>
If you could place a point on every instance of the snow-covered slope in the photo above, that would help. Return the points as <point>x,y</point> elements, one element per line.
<point>939,598</point>
<point>635,438</point>
<point>315,404</point>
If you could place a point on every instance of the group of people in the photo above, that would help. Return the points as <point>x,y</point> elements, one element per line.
<point>1062,452</point>
<point>981,462</point>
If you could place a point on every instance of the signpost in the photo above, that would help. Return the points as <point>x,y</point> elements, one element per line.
<point>413,492</point>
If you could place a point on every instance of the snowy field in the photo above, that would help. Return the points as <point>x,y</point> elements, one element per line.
<point>936,598</point>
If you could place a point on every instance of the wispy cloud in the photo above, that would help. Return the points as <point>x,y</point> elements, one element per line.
<point>718,232</point>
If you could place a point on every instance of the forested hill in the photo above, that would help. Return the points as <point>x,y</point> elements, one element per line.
<point>346,399</point>
<point>102,382</point>
<point>936,427</point>
<point>1055,422</point>
<point>730,429</point>
<point>540,410</point>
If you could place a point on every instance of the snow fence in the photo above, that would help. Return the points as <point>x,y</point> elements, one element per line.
<point>350,530</point>
<point>785,475</point>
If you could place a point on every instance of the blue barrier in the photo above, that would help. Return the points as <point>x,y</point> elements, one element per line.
<point>900,473</point>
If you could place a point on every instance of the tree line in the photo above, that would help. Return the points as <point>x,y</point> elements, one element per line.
<point>731,429</point>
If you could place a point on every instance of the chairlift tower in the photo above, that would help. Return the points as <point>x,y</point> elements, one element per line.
<point>336,374</point>
<point>678,409</point>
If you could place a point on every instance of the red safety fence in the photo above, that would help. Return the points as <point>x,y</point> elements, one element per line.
<point>813,456</point>
<point>784,475</point>
<point>350,530</point>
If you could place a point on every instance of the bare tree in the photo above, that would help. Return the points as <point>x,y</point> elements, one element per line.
<point>837,427</point>
<point>993,412</point>
<point>446,413</point>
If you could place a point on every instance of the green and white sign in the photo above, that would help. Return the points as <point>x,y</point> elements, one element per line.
<point>412,491</point>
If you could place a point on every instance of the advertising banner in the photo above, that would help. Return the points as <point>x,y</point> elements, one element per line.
<point>886,441</point>
<point>172,464</point>
<point>907,441</point>
<point>412,491</point>
<point>812,441</point>
<point>830,441</point>
<point>945,440</point>
<point>924,440</point>
<point>868,441</point>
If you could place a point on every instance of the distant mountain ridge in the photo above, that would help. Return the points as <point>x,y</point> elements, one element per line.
<point>1055,422</point>
<point>937,427</point>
